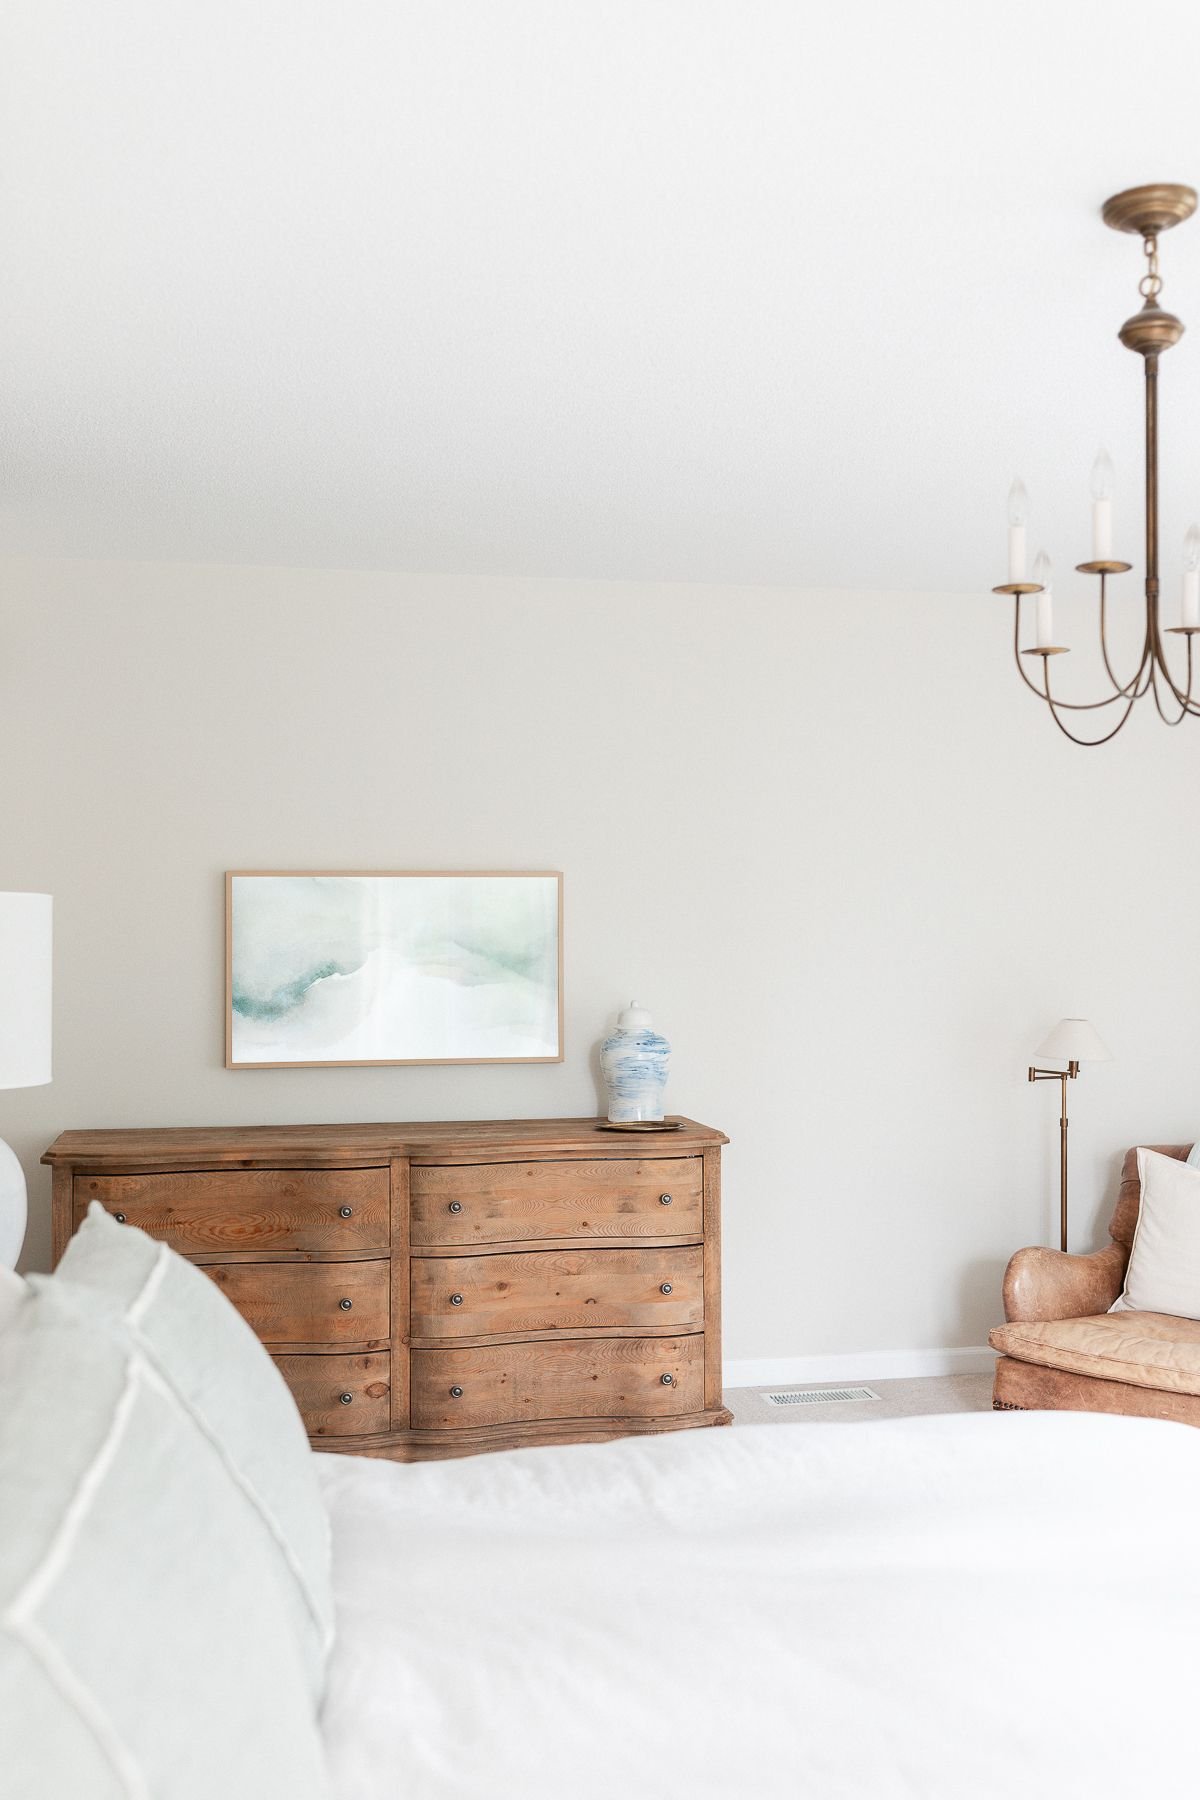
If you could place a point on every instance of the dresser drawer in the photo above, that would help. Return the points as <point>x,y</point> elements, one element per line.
<point>309,1303</point>
<point>569,1378</point>
<point>249,1209</point>
<point>557,1290</point>
<point>493,1203</point>
<point>339,1396</point>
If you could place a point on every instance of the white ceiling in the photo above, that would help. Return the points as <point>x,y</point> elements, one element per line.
<point>716,290</point>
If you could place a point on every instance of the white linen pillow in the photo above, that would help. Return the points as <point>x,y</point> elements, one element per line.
<point>147,1640</point>
<point>204,1350</point>
<point>1163,1275</point>
<point>1193,1157</point>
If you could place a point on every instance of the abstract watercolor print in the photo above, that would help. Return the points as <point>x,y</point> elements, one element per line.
<point>363,968</point>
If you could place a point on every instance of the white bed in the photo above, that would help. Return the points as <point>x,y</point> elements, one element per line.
<point>943,1609</point>
<point>952,1607</point>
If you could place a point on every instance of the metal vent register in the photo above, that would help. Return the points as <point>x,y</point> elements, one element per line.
<point>820,1396</point>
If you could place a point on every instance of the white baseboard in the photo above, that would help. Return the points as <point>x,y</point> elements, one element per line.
<point>858,1365</point>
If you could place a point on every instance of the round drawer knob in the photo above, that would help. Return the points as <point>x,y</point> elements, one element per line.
<point>456,1299</point>
<point>668,1381</point>
<point>456,1393</point>
<point>666,1288</point>
<point>664,1199</point>
<point>345,1212</point>
<point>345,1399</point>
<point>120,1218</point>
<point>456,1206</point>
<point>345,1305</point>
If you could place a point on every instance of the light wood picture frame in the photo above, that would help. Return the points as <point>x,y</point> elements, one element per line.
<point>440,966</point>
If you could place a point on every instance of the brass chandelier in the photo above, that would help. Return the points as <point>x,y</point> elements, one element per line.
<point>1147,211</point>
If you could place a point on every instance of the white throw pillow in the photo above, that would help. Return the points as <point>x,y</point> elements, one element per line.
<point>1164,1264</point>
<point>147,1641</point>
<point>207,1354</point>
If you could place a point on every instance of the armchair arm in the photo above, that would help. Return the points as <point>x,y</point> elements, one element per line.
<point>1050,1284</point>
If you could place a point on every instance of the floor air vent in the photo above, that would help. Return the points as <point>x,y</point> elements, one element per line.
<point>820,1396</point>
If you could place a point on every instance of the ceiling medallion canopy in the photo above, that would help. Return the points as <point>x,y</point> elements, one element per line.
<point>1147,212</point>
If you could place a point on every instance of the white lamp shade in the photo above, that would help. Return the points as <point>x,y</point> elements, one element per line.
<point>1074,1040</point>
<point>25,921</point>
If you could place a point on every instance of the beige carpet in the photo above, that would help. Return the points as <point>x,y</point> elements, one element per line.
<point>897,1400</point>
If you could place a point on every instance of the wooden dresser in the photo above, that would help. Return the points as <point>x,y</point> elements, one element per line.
<point>433,1290</point>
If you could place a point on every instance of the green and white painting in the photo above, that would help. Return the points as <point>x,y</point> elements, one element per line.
<point>365,968</point>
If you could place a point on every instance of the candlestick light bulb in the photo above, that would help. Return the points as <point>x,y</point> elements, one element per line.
<point>1102,476</point>
<point>1018,503</point>
<point>1191,548</point>
<point>1042,571</point>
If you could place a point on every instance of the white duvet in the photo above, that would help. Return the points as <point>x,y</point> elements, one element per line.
<point>951,1607</point>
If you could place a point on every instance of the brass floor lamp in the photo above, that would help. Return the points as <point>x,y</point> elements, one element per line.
<point>1072,1041</point>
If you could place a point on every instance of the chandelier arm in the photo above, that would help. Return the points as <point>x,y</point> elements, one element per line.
<point>1183,696</point>
<point>1159,704</point>
<point>1189,703</point>
<point>1070,705</point>
<point>1188,708</point>
<point>1158,656</point>
<point>1085,743</point>
<point>1129,685</point>
<point>1031,685</point>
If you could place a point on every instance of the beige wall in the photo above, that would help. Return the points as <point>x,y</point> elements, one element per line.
<point>824,836</point>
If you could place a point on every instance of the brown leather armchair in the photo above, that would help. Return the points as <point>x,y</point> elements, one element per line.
<point>1063,1350</point>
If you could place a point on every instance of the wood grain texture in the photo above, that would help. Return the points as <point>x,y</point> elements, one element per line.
<point>440,1446</point>
<point>313,1146</point>
<point>400,1299</point>
<point>301,1303</point>
<point>713,1374</point>
<point>62,1217</point>
<point>340,1396</point>
<point>250,1209</point>
<point>493,1203</point>
<point>567,1378</point>
<point>556,1291</point>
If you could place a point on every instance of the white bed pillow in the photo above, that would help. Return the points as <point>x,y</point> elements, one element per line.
<point>1163,1275</point>
<point>204,1350</point>
<point>147,1640</point>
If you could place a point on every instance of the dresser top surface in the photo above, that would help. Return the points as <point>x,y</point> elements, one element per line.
<point>463,1140</point>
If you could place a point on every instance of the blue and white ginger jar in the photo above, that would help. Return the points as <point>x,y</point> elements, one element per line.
<point>634,1062</point>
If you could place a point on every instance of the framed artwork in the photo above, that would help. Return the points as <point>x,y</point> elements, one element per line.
<point>326,968</point>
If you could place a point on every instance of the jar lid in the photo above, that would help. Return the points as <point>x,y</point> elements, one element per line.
<point>634,1018</point>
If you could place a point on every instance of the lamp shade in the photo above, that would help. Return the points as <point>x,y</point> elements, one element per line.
<point>1074,1040</point>
<point>25,989</point>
